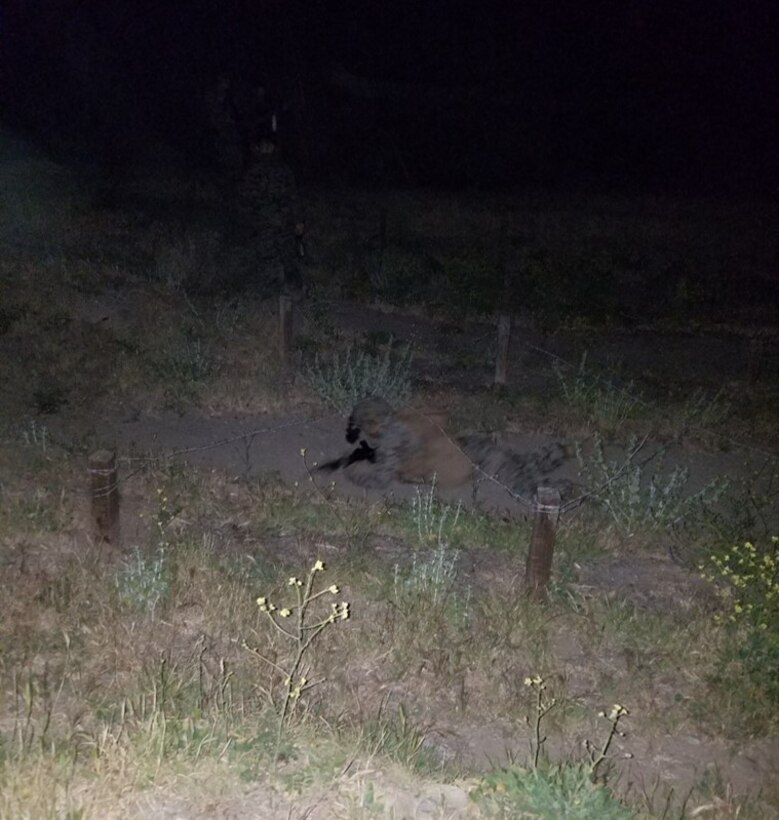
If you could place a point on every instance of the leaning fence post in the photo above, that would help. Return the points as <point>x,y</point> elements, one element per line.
<point>104,493</point>
<point>539,558</point>
<point>286,318</point>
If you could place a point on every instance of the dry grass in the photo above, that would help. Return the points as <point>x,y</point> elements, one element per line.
<point>120,708</point>
<point>112,708</point>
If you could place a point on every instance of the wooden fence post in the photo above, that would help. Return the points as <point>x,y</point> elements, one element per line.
<point>502,360</point>
<point>104,492</point>
<point>539,558</point>
<point>286,319</point>
<point>504,319</point>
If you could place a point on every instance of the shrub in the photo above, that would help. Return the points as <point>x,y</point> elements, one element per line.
<point>345,379</point>
<point>747,579</point>
<point>636,501</point>
<point>143,582</point>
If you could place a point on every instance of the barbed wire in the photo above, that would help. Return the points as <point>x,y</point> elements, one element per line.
<point>741,445</point>
<point>248,436</point>
<point>515,495</point>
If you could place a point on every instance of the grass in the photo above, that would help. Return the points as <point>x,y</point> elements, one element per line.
<point>636,498</point>
<point>344,379</point>
<point>605,405</point>
<point>567,791</point>
<point>167,686</point>
<point>128,687</point>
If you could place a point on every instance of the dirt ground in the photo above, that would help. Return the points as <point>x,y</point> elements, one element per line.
<point>455,362</point>
<point>257,445</point>
<point>252,445</point>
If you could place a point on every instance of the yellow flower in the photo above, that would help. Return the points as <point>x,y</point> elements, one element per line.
<point>318,567</point>
<point>294,582</point>
<point>303,452</point>
<point>333,590</point>
<point>285,613</point>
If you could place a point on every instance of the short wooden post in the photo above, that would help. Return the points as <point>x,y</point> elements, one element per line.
<point>539,558</point>
<point>502,360</point>
<point>286,319</point>
<point>104,492</point>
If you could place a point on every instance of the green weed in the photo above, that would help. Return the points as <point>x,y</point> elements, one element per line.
<point>544,790</point>
<point>603,404</point>
<point>188,362</point>
<point>432,578</point>
<point>400,740</point>
<point>747,583</point>
<point>344,379</point>
<point>144,580</point>
<point>636,501</point>
<point>702,411</point>
<point>558,791</point>
<point>142,583</point>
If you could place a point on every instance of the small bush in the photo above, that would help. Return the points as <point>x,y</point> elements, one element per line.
<point>144,582</point>
<point>747,579</point>
<point>636,501</point>
<point>343,380</point>
<point>430,580</point>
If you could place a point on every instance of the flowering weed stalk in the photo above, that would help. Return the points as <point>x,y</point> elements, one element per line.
<point>542,708</point>
<point>552,790</point>
<point>598,756</point>
<point>297,626</point>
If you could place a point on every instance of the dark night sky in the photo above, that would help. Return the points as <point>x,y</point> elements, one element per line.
<point>631,93</point>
